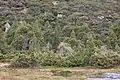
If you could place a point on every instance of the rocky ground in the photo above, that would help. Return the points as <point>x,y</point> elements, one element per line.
<point>4,65</point>
<point>50,73</point>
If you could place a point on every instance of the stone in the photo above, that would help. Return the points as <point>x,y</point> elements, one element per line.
<point>59,16</point>
<point>107,76</point>
<point>55,3</point>
<point>7,26</point>
<point>112,75</point>
<point>64,48</point>
<point>101,79</point>
<point>101,17</point>
<point>24,11</point>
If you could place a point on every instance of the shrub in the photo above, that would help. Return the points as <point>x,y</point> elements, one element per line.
<point>53,59</point>
<point>63,73</point>
<point>25,60</point>
<point>105,59</point>
<point>48,59</point>
<point>100,59</point>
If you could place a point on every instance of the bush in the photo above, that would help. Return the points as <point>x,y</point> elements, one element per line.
<point>105,59</point>
<point>101,59</point>
<point>37,59</point>
<point>48,59</point>
<point>53,59</point>
<point>25,60</point>
<point>62,73</point>
<point>5,57</point>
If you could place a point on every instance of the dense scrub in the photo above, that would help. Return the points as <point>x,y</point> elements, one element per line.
<point>63,33</point>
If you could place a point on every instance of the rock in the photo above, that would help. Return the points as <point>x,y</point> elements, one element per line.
<point>24,11</point>
<point>7,26</point>
<point>101,17</point>
<point>55,3</point>
<point>112,75</point>
<point>4,65</point>
<point>101,79</point>
<point>107,76</point>
<point>60,15</point>
<point>65,48</point>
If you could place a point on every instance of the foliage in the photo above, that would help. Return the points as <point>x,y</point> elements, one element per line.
<point>63,73</point>
<point>22,34</point>
<point>4,48</point>
<point>25,60</point>
<point>113,36</point>
<point>67,34</point>
<point>105,59</point>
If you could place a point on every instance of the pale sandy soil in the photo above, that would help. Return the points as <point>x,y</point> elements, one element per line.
<point>49,73</point>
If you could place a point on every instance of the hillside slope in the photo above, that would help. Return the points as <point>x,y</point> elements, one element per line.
<point>94,12</point>
<point>84,32</point>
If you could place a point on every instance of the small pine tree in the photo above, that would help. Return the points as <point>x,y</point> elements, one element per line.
<point>112,39</point>
<point>2,42</point>
<point>73,35</point>
<point>117,48</point>
<point>90,49</point>
<point>17,43</point>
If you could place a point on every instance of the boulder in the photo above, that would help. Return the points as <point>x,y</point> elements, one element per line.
<point>112,75</point>
<point>7,26</point>
<point>101,79</point>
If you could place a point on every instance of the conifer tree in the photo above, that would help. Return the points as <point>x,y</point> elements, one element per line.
<point>112,39</point>
<point>117,48</point>
<point>37,35</point>
<point>11,32</point>
<point>73,35</point>
<point>90,49</point>
<point>2,42</point>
